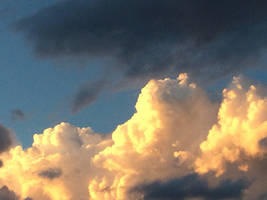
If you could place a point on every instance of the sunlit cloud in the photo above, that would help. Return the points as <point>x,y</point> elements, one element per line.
<point>177,138</point>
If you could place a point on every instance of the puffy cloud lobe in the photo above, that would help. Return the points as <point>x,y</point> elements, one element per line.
<point>192,186</point>
<point>169,112</point>
<point>173,135</point>
<point>241,129</point>
<point>35,173</point>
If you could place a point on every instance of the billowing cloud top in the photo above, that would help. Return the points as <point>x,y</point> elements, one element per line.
<point>173,147</point>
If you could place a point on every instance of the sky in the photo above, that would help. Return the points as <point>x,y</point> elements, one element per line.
<point>152,99</point>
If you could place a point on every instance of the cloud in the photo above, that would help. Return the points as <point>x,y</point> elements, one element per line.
<point>240,132</point>
<point>263,143</point>
<point>154,38</point>
<point>169,148</point>
<point>6,194</point>
<point>37,172</point>
<point>140,40</point>
<point>87,95</point>
<point>192,186</point>
<point>168,113</point>
<point>18,115</point>
<point>51,173</point>
<point>5,139</point>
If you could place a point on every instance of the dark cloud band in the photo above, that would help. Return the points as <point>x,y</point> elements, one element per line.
<point>5,139</point>
<point>153,38</point>
<point>51,173</point>
<point>192,186</point>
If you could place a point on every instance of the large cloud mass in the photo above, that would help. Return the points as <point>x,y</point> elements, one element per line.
<point>169,149</point>
<point>154,37</point>
<point>144,39</point>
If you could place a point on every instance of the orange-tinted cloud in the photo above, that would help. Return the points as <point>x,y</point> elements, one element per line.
<point>175,132</point>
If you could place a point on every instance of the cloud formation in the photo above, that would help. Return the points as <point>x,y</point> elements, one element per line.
<point>154,37</point>
<point>51,173</point>
<point>6,194</point>
<point>18,115</point>
<point>241,129</point>
<point>192,186</point>
<point>169,149</point>
<point>87,95</point>
<point>5,139</point>
<point>151,39</point>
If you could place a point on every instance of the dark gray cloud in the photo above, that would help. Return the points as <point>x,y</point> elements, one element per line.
<point>87,95</point>
<point>152,38</point>
<point>192,186</point>
<point>51,173</point>
<point>6,194</point>
<point>18,115</point>
<point>263,143</point>
<point>28,198</point>
<point>5,139</point>
<point>1,163</point>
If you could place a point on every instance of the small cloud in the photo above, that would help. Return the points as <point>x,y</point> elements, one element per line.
<point>263,143</point>
<point>51,173</point>
<point>6,194</point>
<point>5,139</point>
<point>18,115</point>
<point>87,95</point>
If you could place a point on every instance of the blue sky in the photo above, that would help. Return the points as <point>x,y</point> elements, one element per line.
<point>44,88</point>
<point>85,62</point>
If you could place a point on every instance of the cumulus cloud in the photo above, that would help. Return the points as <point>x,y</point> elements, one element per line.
<point>241,130</point>
<point>169,149</point>
<point>158,130</point>
<point>65,147</point>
